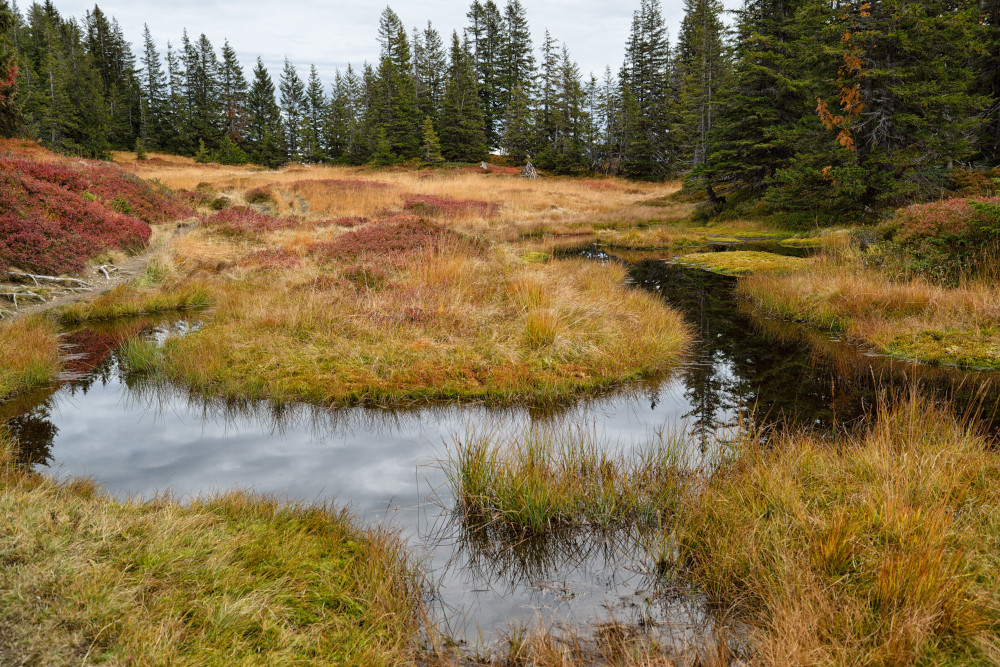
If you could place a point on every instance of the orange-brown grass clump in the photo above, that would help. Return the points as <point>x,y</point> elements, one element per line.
<point>29,354</point>
<point>882,549</point>
<point>234,579</point>
<point>909,317</point>
<point>403,309</point>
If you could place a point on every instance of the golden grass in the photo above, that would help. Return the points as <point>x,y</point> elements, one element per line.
<point>238,579</point>
<point>882,550</point>
<point>442,324</point>
<point>676,231</point>
<point>744,262</point>
<point>910,317</point>
<point>549,205</point>
<point>29,354</point>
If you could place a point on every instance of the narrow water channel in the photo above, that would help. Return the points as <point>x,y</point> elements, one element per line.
<point>141,440</point>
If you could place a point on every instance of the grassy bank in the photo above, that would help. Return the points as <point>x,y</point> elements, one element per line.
<point>29,354</point>
<point>238,579</point>
<point>881,549</point>
<point>908,317</point>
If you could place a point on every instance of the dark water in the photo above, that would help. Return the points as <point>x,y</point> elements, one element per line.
<point>137,439</point>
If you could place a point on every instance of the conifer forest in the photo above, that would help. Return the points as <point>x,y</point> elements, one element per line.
<point>462,355</point>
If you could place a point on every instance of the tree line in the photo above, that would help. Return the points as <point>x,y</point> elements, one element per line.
<point>847,105</point>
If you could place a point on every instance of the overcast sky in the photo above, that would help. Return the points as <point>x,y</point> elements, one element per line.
<point>332,33</point>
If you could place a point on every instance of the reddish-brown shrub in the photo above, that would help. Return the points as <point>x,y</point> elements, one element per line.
<point>244,221</point>
<point>341,184</point>
<point>387,239</point>
<point>272,258</point>
<point>449,208</point>
<point>47,227</point>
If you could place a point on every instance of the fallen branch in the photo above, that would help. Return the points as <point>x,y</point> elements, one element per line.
<point>23,293</point>
<point>107,270</point>
<point>49,279</point>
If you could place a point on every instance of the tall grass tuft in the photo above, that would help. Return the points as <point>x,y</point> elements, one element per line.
<point>544,480</point>
<point>29,354</point>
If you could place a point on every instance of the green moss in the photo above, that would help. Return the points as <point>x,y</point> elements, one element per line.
<point>536,257</point>
<point>743,262</point>
<point>978,348</point>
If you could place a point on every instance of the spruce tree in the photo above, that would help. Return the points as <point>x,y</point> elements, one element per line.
<point>394,104</point>
<point>519,130</point>
<point>155,96</point>
<point>233,90</point>
<point>293,107</point>
<point>11,108</point>
<point>647,147</point>
<point>431,144</point>
<point>314,118</point>
<point>265,135</point>
<point>430,67</point>
<point>202,91</point>
<point>700,67</point>
<point>988,82</point>
<point>462,136</point>
<point>756,129</point>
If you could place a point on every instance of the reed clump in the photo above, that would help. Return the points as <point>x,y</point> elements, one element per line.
<point>29,354</point>
<point>879,549</point>
<point>543,481</point>
<point>239,578</point>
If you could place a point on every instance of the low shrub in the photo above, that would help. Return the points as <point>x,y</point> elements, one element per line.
<point>272,258</point>
<point>244,221</point>
<point>943,240</point>
<point>262,195</point>
<point>387,238</point>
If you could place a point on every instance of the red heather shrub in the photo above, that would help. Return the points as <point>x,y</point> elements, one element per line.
<point>325,282</point>
<point>386,239</point>
<point>947,239</point>
<point>108,185</point>
<point>942,219</point>
<point>244,221</point>
<point>451,208</point>
<point>48,228</point>
<point>272,258</point>
<point>349,223</point>
<point>341,184</point>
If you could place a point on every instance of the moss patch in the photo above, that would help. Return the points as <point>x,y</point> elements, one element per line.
<point>974,349</point>
<point>743,262</point>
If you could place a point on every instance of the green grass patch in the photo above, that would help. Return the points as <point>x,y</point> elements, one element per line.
<point>743,262</point>
<point>131,301</point>
<point>234,579</point>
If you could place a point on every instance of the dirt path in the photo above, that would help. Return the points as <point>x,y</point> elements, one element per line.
<point>128,270</point>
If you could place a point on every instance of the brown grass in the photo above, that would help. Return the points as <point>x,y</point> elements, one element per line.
<point>552,205</point>
<point>29,354</point>
<point>879,551</point>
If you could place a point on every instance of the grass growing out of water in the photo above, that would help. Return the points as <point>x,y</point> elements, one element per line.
<point>546,480</point>
<point>907,317</point>
<point>744,262</point>
<point>236,579</point>
<point>131,301</point>
<point>29,354</point>
<point>882,549</point>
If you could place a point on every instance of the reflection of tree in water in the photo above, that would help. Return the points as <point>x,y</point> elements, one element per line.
<point>34,434</point>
